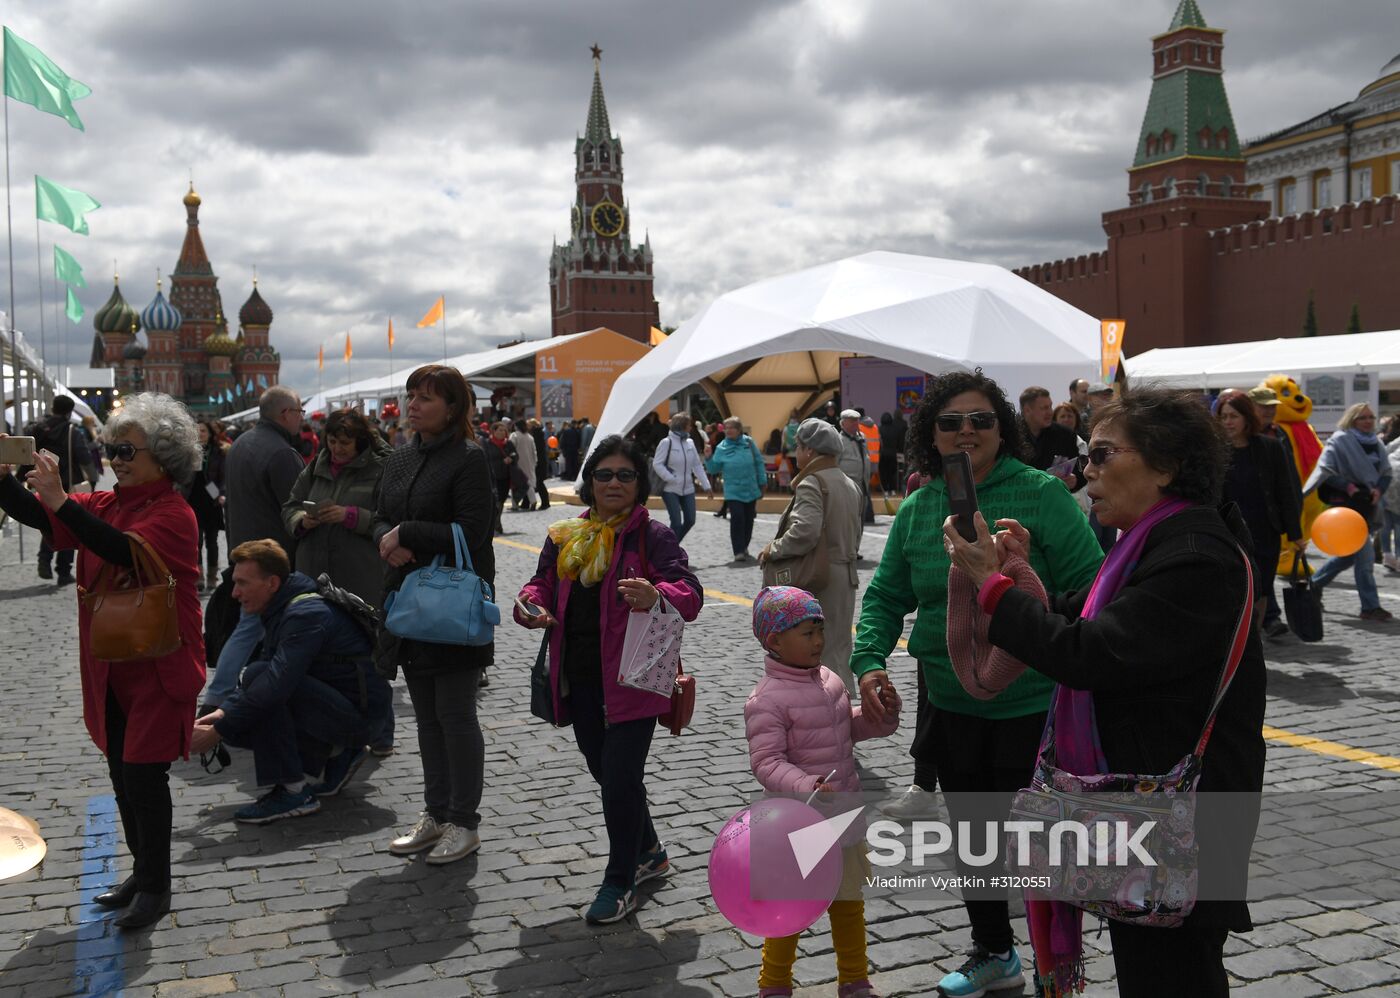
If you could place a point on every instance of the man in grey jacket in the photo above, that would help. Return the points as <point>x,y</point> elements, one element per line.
<point>261,468</point>
<point>855,458</point>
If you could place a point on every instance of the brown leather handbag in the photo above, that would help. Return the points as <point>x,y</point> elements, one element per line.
<point>133,611</point>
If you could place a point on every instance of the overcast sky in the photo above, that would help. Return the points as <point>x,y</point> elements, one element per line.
<point>367,157</point>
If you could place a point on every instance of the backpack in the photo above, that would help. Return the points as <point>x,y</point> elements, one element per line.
<point>366,617</point>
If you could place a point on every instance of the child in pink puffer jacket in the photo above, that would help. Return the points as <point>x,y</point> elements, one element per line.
<point>801,726</point>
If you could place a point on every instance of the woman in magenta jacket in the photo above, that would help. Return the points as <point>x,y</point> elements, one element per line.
<point>593,572</point>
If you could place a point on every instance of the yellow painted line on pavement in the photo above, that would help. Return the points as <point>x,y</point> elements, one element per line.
<point>1320,746</point>
<point>1334,749</point>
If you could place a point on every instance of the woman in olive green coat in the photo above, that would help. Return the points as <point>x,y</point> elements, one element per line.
<point>343,483</point>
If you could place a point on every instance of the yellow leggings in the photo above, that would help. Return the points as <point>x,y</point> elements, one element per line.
<point>847,935</point>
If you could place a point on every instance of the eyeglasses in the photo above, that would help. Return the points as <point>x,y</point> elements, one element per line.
<point>1098,455</point>
<point>624,475</point>
<point>951,422</point>
<point>123,452</point>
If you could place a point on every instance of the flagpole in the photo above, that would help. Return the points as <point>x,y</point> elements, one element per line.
<point>348,377</point>
<point>444,329</point>
<point>43,336</point>
<point>391,355</point>
<point>10,239</point>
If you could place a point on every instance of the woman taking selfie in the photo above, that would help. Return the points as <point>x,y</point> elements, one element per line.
<point>139,712</point>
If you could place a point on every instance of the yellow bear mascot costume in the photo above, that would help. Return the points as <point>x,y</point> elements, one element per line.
<point>1291,415</point>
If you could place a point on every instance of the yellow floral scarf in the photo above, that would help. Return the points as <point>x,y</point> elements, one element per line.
<point>585,546</point>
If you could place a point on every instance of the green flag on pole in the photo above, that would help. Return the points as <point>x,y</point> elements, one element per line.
<point>56,203</point>
<point>74,310</point>
<point>66,269</point>
<point>31,77</point>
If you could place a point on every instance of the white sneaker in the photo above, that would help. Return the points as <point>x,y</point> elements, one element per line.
<point>424,833</point>
<point>916,802</point>
<point>455,843</point>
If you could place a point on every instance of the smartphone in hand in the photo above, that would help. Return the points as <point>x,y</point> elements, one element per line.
<point>528,609</point>
<point>962,493</point>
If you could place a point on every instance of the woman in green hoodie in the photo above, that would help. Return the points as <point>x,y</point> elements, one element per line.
<point>979,747</point>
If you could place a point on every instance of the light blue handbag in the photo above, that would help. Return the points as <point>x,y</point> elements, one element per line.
<point>444,605</point>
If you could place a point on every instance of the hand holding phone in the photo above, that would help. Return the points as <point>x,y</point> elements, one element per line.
<point>528,609</point>
<point>16,451</point>
<point>962,493</point>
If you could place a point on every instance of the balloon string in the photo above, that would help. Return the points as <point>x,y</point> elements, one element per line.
<point>817,789</point>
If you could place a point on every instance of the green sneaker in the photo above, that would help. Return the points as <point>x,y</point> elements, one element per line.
<point>982,972</point>
<point>612,904</point>
<point>652,864</point>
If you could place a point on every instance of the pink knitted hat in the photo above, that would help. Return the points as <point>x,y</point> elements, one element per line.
<point>781,608</point>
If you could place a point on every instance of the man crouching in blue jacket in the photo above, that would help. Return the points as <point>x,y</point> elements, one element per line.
<point>308,702</point>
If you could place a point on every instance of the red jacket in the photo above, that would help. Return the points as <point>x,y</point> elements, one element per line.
<point>158,696</point>
<point>669,572</point>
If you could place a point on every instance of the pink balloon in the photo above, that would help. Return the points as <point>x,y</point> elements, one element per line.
<point>752,856</point>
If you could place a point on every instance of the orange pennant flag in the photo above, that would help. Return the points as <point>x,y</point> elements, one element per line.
<point>391,334</point>
<point>434,314</point>
<point>348,352</point>
<point>1110,347</point>
<point>321,357</point>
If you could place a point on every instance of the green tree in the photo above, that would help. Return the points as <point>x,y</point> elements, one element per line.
<point>1310,318</point>
<point>1354,323</point>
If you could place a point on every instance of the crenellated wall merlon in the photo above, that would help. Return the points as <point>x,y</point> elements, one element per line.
<point>1335,222</point>
<point>1086,267</point>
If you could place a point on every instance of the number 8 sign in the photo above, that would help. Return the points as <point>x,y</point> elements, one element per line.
<point>1110,347</point>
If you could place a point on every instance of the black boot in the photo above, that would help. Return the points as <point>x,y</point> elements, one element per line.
<point>145,909</point>
<point>118,897</point>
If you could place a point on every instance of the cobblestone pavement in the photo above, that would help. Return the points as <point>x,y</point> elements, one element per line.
<point>317,905</point>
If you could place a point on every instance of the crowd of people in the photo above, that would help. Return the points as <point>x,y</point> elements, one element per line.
<point>1133,529</point>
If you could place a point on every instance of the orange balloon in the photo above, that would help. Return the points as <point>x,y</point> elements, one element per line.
<point>1340,531</point>
<point>553,441</point>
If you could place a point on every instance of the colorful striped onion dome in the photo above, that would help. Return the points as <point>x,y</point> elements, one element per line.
<point>160,316</point>
<point>116,316</point>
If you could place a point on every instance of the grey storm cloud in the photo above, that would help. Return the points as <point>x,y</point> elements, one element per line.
<point>366,158</point>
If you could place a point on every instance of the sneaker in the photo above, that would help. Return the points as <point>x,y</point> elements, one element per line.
<point>425,832</point>
<point>916,802</point>
<point>339,769</point>
<point>982,972</point>
<point>382,751</point>
<point>454,843</point>
<point>483,682</point>
<point>653,864</point>
<point>1378,614</point>
<point>612,904</point>
<point>45,571</point>
<point>1275,628</point>
<point>276,804</point>
<point>857,989</point>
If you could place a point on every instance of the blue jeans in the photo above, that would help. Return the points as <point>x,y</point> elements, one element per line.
<point>1390,533</point>
<point>237,650</point>
<point>681,510</point>
<point>295,738</point>
<point>1363,566</point>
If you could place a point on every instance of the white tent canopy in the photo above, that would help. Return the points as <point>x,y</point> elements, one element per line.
<point>472,365</point>
<point>776,345</point>
<point>1240,365</point>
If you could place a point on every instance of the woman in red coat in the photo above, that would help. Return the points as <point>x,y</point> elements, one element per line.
<point>139,713</point>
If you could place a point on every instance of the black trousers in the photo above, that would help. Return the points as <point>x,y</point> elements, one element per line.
<point>65,558</point>
<point>1267,547</point>
<point>142,790</point>
<point>1166,963</point>
<point>617,757</point>
<point>450,744</point>
<point>741,517</point>
<point>981,763</point>
<point>925,768</point>
<point>541,489</point>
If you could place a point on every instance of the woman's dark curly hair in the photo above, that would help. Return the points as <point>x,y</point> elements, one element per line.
<point>940,390</point>
<point>607,447</point>
<point>1174,433</point>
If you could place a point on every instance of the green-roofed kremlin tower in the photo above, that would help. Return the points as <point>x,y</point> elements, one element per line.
<point>1187,143</point>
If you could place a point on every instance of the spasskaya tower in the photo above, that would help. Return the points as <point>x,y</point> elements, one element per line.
<point>598,278</point>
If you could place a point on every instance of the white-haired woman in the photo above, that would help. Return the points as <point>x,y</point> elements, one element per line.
<point>139,713</point>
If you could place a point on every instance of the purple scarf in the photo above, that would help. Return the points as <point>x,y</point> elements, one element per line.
<point>1077,750</point>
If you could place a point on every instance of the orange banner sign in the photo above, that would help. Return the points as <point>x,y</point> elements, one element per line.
<point>1110,347</point>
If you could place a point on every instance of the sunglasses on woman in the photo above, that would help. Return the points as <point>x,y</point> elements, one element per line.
<point>625,475</point>
<point>124,452</point>
<point>1098,455</point>
<point>951,422</point>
